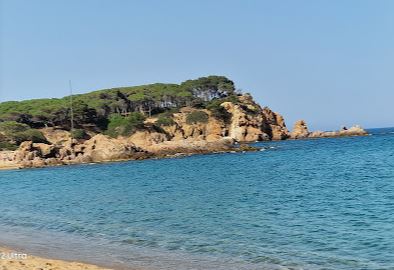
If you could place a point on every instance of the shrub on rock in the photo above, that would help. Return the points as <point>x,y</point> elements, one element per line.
<point>196,117</point>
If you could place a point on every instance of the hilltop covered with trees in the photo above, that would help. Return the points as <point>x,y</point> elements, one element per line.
<point>116,111</point>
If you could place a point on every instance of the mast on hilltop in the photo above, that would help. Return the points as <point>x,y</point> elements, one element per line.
<point>71,108</point>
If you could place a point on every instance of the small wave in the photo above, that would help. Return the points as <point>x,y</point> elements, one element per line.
<point>268,147</point>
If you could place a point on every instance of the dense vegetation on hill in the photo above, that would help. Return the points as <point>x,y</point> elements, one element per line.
<point>13,133</point>
<point>116,111</point>
<point>97,106</point>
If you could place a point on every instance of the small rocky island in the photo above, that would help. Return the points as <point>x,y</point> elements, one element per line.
<point>150,121</point>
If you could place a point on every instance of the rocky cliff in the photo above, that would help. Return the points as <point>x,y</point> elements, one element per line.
<point>248,122</point>
<point>186,131</point>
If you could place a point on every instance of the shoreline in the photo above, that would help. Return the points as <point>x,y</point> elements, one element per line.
<point>242,148</point>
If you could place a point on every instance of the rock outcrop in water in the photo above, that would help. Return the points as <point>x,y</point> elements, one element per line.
<point>343,132</point>
<point>211,125</point>
<point>300,130</point>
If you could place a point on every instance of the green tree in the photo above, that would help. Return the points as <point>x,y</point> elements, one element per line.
<point>15,133</point>
<point>197,117</point>
<point>79,134</point>
<point>211,87</point>
<point>125,126</point>
<point>218,111</point>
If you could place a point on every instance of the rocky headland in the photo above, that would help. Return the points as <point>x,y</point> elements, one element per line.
<point>199,116</point>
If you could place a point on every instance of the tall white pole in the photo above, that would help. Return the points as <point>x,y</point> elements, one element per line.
<point>71,107</point>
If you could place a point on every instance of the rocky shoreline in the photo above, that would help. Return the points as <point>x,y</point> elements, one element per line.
<point>300,131</point>
<point>103,149</point>
<point>248,123</point>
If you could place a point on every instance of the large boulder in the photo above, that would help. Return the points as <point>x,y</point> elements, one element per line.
<point>56,136</point>
<point>104,148</point>
<point>45,150</point>
<point>145,138</point>
<point>190,146</point>
<point>25,152</point>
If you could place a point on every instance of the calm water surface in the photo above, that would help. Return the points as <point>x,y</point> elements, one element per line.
<point>311,204</point>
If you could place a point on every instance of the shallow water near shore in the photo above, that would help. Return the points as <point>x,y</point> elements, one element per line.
<point>307,204</point>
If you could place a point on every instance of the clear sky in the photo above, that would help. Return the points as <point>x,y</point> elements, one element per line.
<point>328,62</point>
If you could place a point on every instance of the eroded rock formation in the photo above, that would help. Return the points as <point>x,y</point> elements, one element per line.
<point>300,130</point>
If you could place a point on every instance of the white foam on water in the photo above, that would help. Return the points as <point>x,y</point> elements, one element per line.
<point>72,247</point>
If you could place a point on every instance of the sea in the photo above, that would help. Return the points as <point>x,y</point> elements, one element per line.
<point>296,204</point>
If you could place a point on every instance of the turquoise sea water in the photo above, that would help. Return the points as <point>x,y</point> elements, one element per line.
<point>310,204</point>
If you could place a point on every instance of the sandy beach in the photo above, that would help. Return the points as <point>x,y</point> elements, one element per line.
<point>15,260</point>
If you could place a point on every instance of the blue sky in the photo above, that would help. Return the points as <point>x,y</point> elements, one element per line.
<point>328,62</point>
